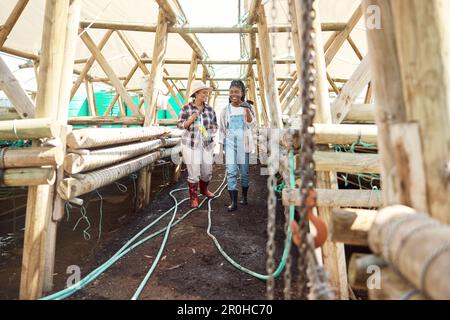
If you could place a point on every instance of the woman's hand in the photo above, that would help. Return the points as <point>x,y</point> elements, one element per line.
<point>191,120</point>
<point>248,115</point>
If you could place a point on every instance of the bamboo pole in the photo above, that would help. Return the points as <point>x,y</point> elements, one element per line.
<point>84,183</point>
<point>29,129</point>
<point>31,157</point>
<point>11,20</point>
<point>14,91</point>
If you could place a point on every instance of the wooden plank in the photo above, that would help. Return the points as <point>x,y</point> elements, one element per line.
<point>347,162</point>
<point>11,20</point>
<point>14,91</point>
<point>351,226</point>
<point>271,92</point>
<point>358,81</point>
<point>338,198</point>
<point>109,72</point>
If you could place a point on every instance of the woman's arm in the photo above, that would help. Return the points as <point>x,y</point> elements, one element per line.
<point>184,121</point>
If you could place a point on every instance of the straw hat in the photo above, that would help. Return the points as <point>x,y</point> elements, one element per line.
<point>197,86</point>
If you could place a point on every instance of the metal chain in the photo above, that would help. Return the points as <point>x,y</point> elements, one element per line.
<point>307,144</point>
<point>272,199</point>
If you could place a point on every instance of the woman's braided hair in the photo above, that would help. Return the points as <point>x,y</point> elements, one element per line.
<point>239,84</point>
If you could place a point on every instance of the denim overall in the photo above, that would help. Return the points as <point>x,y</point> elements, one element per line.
<point>235,154</point>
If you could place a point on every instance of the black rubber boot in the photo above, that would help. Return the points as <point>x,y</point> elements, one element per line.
<point>233,197</point>
<point>244,196</point>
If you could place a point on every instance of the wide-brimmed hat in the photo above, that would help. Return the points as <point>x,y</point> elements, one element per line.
<point>198,85</point>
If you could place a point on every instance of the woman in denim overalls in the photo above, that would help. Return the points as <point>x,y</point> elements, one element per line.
<point>236,121</point>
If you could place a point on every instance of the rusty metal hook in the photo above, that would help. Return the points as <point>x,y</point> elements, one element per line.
<point>319,224</point>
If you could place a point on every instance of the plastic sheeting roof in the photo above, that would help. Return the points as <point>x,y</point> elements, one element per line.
<point>27,34</point>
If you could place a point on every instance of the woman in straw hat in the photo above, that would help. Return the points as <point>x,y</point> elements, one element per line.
<point>199,121</point>
<point>236,123</point>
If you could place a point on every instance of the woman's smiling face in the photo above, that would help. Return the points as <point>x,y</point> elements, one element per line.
<point>235,95</point>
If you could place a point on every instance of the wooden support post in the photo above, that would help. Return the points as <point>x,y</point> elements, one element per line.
<point>427,101</point>
<point>109,72</point>
<point>262,94</point>
<point>40,229</point>
<point>14,91</point>
<point>11,21</point>
<point>272,98</point>
<point>388,94</point>
<point>254,98</point>
<point>191,77</point>
<point>351,226</point>
<point>156,73</point>
<point>90,98</point>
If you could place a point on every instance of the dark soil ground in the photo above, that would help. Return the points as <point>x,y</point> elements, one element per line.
<point>191,267</point>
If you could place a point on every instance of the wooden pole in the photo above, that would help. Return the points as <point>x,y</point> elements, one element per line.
<point>29,129</point>
<point>272,98</point>
<point>351,226</point>
<point>416,245</point>
<point>262,93</point>
<point>388,93</point>
<point>156,73</point>
<point>31,177</point>
<point>429,105</point>
<point>11,21</point>
<point>89,64</point>
<point>40,199</point>
<point>31,157</point>
<point>109,72</point>
<point>14,91</point>
<point>192,76</point>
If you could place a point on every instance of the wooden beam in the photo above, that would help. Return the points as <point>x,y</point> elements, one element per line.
<point>262,92</point>
<point>272,98</point>
<point>347,162</point>
<point>343,36</point>
<point>388,94</point>
<point>253,11</point>
<point>191,76</point>
<point>89,64</point>
<point>360,269</point>
<point>29,129</point>
<point>247,29</point>
<point>31,157</point>
<point>360,79</point>
<point>31,177</point>
<point>338,198</point>
<point>16,94</point>
<point>361,113</point>
<point>102,120</point>
<point>427,101</point>
<point>351,226</point>
<point>169,11</point>
<point>109,72</point>
<point>91,98</point>
<point>10,22</point>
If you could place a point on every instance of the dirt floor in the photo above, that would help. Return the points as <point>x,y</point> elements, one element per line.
<point>191,266</point>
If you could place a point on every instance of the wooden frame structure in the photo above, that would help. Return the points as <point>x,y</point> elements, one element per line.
<point>412,128</point>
